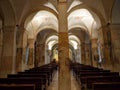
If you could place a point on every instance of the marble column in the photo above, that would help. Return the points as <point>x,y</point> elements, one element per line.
<point>31,53</point>
<point>63,48</point>
<point>95,55</point>
<point>9,51</point>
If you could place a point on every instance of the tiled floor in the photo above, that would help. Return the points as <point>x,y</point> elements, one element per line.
<point>54,84</point>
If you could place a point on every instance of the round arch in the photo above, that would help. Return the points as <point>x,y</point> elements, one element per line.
<point>40,21</point>
<point>93,11</point>
<point>80,17</point>
<point>33,11</point>
<point>5,10</point>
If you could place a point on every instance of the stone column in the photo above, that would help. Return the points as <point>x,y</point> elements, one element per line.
<point>25,51</point>
<point>83,53</point>
<point>95,55</point>
<point>47,54</point>
<point>9,51</point>
<point>107,63</point>
<point>1,41</point>
<point>31,53</point>
<point>38,54</point>
<point>78,54</point>
<point>42,54</point>
<point>87,54</point>
<point>63,48</point>
<point>19,51</point>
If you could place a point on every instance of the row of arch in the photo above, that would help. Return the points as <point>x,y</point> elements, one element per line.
<point>37,31</point>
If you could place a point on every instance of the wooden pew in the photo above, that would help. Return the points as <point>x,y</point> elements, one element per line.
<point>17,87</point>
<point>85,68</point>
<point>106,86</point>
<point>80,72</point>
<point>38,82</point>
<point>88,81</point>
<point>86,74</point>
<point>49,74</point>
<point>44,76</point>
<point>37,76</point>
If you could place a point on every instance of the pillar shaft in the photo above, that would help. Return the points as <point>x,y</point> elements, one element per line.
<point>95,57</point>
<point>107,49</point>
<point>8,52</point>
<point>64,70</point>
<point>83,53</point>
<point>19,51</point>
<point>63,55</point>
<point>31,53</point>
<point>87,54</point>
<point>39,61</point>
<point>1,39</point>
<point>25,50</point>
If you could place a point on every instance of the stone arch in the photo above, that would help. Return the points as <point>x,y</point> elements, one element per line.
<point>39,21</point>
<point>42,49</point>
<point>95,24</point>
<point>92,11</point>
<point>7,13</point>
<point>115,12</point>
<point>84,45</point>
<point>22,22</point>
<point>51,41</point>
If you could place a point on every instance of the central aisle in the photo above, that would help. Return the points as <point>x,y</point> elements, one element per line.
<point>54,84</point>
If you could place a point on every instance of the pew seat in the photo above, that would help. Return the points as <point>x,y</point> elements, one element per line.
<point>17,87</point>
<point>106,86</point>
<point>88,81</point>
<point>38,82</point>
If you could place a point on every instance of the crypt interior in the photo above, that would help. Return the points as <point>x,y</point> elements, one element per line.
<point>34,33</point>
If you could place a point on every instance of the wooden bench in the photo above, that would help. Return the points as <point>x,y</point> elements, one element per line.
<point>17,87</point>
<point>44,76</point>
<point>38,82</point>
<point>106,86</point>
<point>85,74</point>
<point>88,81</point>
<point>49,74</point>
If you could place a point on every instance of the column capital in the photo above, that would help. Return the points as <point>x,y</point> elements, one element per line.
<point>31,43</point>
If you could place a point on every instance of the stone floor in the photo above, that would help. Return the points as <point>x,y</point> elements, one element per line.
<point>54,84</point>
